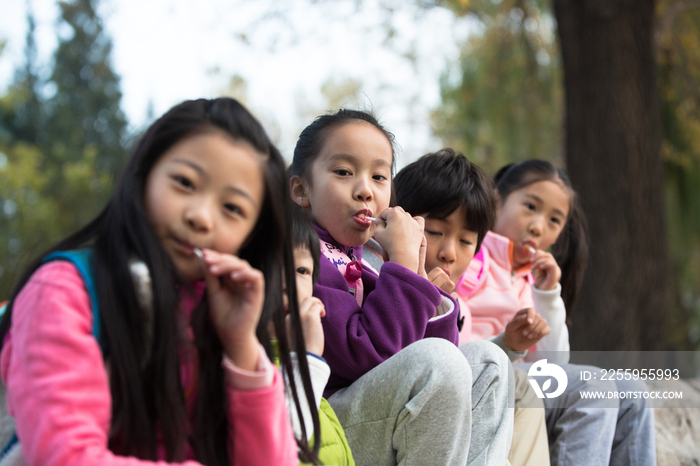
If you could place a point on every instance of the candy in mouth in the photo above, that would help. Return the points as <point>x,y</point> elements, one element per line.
<point>198,252</point>
<point>529,249</point>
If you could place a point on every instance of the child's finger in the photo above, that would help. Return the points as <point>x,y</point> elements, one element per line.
<point>318,309</point>
<point>421,222</point>
<point>213,281</point>
<point>439,278</point>
<point>531,315</point>
<point>532,325</point>
<point>312,306</point>
<point>541,324</point>
<point>220,264</point>
<point>421,257</point>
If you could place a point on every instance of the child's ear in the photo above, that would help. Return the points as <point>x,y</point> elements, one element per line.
<point>297,189</point>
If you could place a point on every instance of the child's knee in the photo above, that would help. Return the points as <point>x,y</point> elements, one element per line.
<point>439,361</point>
<point>483,352</point>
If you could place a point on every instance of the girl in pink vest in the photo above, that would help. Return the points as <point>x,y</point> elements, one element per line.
<point>187,261</point>
<point>530,266</point>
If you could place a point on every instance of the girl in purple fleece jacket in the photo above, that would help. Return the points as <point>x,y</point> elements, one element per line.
<point>400,395</point>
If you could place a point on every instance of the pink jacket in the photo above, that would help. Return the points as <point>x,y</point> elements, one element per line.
<point>58,387</point>
<point>491,292</point>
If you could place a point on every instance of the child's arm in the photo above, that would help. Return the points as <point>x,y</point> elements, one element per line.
<point>550,306</point>
<point>395,313</point>
<point>57,385</point>
<point>546,295</point>
<point>260,431</point>
<point>236,295</point>
<point>259,425</point>
<point>310,312</point>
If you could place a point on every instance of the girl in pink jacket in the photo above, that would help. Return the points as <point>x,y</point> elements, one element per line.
<point>529,269</point>
<point>186,261</point>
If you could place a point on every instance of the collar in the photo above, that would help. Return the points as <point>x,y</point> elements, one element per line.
<point>355,251</point>
<point>501,250</point>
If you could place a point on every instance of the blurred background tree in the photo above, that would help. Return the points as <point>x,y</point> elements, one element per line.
<point>61,139</point>
<point>503,101</point>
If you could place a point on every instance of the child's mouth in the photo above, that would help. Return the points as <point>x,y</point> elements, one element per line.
<point>364,218</point>
<point>528,250</point>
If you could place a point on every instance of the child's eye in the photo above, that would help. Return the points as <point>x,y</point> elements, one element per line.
<point>342,172</point>
<point>433,233</point>
<point>185,182</point>
<point>303,271</point>
<point>379,177</point>
<point>555,220</point>
<point>465,242</point>
<point>530,205</point>
<point>233,209</point>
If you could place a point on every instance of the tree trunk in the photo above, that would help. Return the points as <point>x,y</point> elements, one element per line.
<point>613,155</point>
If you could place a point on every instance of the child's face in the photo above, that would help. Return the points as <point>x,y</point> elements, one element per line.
<point>304,270</point>
<point>206,191</point>
<point>534,216</point>
<point>350,179</point>
<point>450,245</point>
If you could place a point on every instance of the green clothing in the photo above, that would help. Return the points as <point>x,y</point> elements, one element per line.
<point>335,450</point>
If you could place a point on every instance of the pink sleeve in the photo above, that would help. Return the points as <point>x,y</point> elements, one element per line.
<point>240,379</point>
<point>58,389</point>
<point>260,426</point>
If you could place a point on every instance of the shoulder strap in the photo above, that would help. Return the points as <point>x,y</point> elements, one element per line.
<point>81,258</point>
<point>472,277</point>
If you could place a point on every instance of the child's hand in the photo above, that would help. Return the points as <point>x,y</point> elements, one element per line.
<point>422,251</point>
<point>546,271</point>
<point>236,293</point>
<point>525,329</point>
<point>439,278</point>
<point>311,310</point>
<point>401,235</point>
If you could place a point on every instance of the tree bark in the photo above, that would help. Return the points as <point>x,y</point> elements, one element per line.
<point>613,155</point>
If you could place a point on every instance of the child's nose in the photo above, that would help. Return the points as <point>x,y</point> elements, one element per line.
<point>447,253</point>
<point>363,190</point>
<point>198,216</point>
<point>535,228</point>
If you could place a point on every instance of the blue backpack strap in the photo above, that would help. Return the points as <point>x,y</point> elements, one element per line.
<point>81,259</point>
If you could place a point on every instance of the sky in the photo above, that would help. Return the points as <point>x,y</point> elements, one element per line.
<point>169,50</point>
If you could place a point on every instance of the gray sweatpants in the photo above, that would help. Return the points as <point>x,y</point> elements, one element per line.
<point>431,405</point>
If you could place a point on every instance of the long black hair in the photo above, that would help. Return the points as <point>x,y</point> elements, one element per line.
<point>147,396</point>
<point>571,248</point>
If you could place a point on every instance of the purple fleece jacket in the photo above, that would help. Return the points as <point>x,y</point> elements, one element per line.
<point>395,312</point>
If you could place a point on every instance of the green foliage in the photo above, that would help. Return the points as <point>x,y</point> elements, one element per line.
<point>506,103</point>
<point>58,155</point>
<point>86,107</point>
<point>678,52</point>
